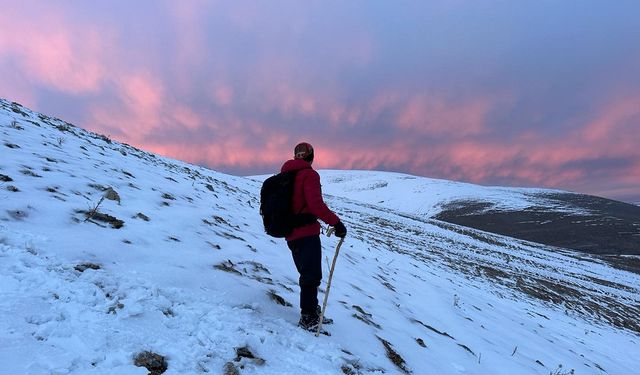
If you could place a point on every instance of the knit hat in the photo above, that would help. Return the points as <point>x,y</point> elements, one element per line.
<point>303,151</point>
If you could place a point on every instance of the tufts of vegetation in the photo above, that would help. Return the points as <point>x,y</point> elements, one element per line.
<point>5,178</point>
<point>561,371</point>
<point>63,128</point>
<point>215,246</point>
<point>18,108</point>
<point>105,138</point>
<point>11,145</point>
<point>364,316</point>
<point>15,125</point>
<point>278,299</point>
<point>432,329</point>
<point>467,349</point>
<point>227,266</point>
<point>29,172</point>
<point>394,356</point>
<point>245,353</point>
<point>94,215</point>
<point>142,216</point>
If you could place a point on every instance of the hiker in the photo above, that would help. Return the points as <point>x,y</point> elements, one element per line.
<point>304,241</point>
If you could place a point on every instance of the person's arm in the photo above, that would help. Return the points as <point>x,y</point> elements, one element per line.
<point>313,197</point>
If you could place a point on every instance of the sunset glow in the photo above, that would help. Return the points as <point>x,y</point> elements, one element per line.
<point>539,93</point>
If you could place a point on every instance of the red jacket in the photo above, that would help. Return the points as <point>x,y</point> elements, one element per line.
<point>307,198</point>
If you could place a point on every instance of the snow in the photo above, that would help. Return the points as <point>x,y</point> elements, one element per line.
<point>420,195</point>
<point>160,285</point>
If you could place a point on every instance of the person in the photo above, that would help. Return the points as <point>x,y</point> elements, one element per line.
<point>304,241</point>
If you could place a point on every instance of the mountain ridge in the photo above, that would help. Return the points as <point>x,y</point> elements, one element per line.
<point>581,222</point>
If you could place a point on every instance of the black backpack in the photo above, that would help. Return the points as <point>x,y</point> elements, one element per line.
<point>275,206</point>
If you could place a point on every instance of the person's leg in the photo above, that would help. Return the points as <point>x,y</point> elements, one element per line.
<point>307,256</point>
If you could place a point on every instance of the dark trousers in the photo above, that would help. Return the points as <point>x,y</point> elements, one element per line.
<point>307,255</point>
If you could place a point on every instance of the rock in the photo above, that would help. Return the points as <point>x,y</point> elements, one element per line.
<point>155,363</point>
<point>112,195</point>
<point>86,266</point>
<point>230,369</point>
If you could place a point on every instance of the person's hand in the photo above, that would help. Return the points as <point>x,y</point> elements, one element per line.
<point>340,229</point>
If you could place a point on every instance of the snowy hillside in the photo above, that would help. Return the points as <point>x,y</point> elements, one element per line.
<point>598,226</point>
<point>420,195</point>
<point>178,265</point>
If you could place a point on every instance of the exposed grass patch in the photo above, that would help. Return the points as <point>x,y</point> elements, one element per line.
<point>432,329</point>
<point>467,349</point>
<point>15,125</point>
<point>63,127</point>
<point>394,356</point>
<point>98,187</point>
<point>104,138</point>
<point>227,266</point>
<point>5,178</point>
<point>105,218</point>
<point>215,246</point>
<point>364,316</point>
<point>278,299</point>
<point>29,172</point>
<point>246,353</point>
<point>142,216</point>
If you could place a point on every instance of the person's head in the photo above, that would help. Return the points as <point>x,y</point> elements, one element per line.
<point>303,151</point>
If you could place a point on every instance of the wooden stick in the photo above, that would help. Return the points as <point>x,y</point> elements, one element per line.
<point>326,294</point>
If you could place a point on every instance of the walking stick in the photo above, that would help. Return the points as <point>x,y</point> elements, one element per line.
<point>326,294</point>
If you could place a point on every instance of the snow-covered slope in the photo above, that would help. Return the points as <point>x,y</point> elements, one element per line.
<point>420,195</point>
<point>180,266</point>
<point>557,218</point>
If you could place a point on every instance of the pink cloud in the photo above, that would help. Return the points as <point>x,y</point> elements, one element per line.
<point>52,54</point>
<point>138,111</point>
<point>433,114</point>
<point>244,105</point>
<point>618,121</point>
<point>222,95</point>
<point>186,117</point>
<point>232,151</point>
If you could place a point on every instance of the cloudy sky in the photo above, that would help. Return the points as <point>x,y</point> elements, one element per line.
<point>518,93</point>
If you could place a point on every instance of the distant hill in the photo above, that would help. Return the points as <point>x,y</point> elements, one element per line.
<point>552,217</point>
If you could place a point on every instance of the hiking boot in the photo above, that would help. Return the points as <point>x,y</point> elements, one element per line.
<point>325,320</point>
<point>309,322</point>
